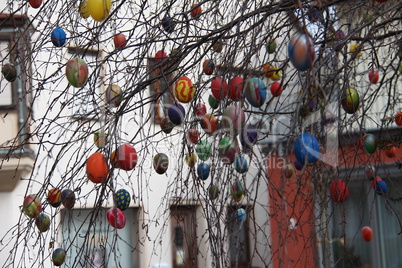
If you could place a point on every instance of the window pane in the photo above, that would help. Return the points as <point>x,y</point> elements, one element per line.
<point>6,96</point>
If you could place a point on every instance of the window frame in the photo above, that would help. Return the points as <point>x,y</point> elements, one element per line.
<point>9,36</point>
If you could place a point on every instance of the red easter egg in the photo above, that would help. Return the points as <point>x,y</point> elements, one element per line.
<point>97,168</point>
<point>120,41</point>
<point>339,191</point>
<point>200,109</point>
<point>236,88</point>
<point>209,123</point>
<point>374,76</point>
<point>126,157</point>
<point>196,10</point>
<point>374,182</point>
<point>390,152</point>
<point>219,88</point>
<point>35,3</point>
<point>398,118</point>
<point>193,135</point>
<point>276,89</point>
<point>367,233</point>
<point>160,56</point>
<point>116,218</point>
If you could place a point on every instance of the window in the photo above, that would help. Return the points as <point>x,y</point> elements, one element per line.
<point>239,247</point>
<point>6,89</point>
<point>94,243</point>
<point>184,246</point>
<point>161,90</point>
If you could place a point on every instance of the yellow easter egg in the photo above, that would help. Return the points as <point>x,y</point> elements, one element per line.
<point>99,9</point>
<point>83,9</point>
<point>184,90</point>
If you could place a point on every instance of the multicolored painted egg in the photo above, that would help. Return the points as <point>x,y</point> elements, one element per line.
<point>100,139</point>
<point>240,164</point>
<point>58,256</point>
<point>241,215</point>
<point>161,163</point>
<point>123,199</point>
<point>42,222</point>
<point>227,150</point>
<point>255,91</point>
<point>271,72</point>
<point>168,24</point>
<point>116,218</point>
<point>249,136</point>
<point>338,191</point>
<point>54,197</point>
<point>126,157</point>
<point>166,125</point>
<point>208,67</point>
<point>9,72</point>
<point>120,41</point>
<point>301,51</point>
<point>350,100</point>
<point>113,160</point>
<point>237,191</point>
<point>191,159</point>
<point>77,72</point>
<point>203,149</point>
<point>271,46</point>
<point>200,109</point>
<point>203,171</point>
<point>83,9</point>
<point>213,192</point>
<point>114,96</point>
<point>97,169</point>
<point>58,37</point>
<point>213,102</point>
<point>217,46</point>
<point>32,206</point>
<point>236,88</point>
<point>184,90</point>
<point>176,113</point>
<point>276,89</point>
<point>209,124</point>
<point>369,143</point>
<point>219,88</point>
<point>193,135</point>
<point>306,149</point>
<point>233,119</point>
<point>367,233</point>
<point>68,198</point>
<point>99,9</point>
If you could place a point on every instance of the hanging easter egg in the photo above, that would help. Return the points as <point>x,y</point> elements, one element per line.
<point>288,170</point>
<point>184,90</point>
<point>398,118</point>
<point>68,198</point>
<point>213,102</point>
<point>161,163</point>
<point>203,149</point>
<point>237,191</point>
<point>166,125</point>
<point>313,14</point>
<point>54,197</point>
<point>379,186</point>
<point>176,113</point>
<point>249,136</point>
<point>217,46</point>
<point>168,24</point>
<point>370,172</point>
<point>306,148</point>
<point>298,165</point>
<point>390,151</point>
<point>193,135</point>
<point>374,76</point>
<point>42,222</point>
<point>276,89</point>
<point>161,56</point>
<point>209,124</point>
<point>219,88</point>
<point>58,37</point>
<point>116,218</point>
<point>203,171</point>
<point>271,72</point>
<point>97,168</point>
<point>271,46</point>
<point>114,96</point>
<point>58,256</point>
<point>200,109</point>
<point>100,139</point>
<point>227,150</point>
<point>120,41</point>
<point>338,191</point>
<point>255,92</point>
<point>83,9</point>
<point>240,164</point>
<point>196,10</point>
<point>350,101</point>
<point>9,72</point>
<point>123,199</point>
<point>233,119</point>
<point>236,88</point>
<point>99,9</point>
<point>32,206</point>
<point>355,50</point>
<point>191,159</point>
<point>301,51</point>
<point>113,160</point>
<point>77,72</point>
<point>241,215</point>
<point>367,233</point>
<point>208,67</point>
<point>35,3</point>
<point>369,143</point>
<point>126,157</point>
<point>213,192</point>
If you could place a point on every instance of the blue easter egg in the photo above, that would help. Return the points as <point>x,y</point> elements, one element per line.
<point>249,136</point>
<point>58,37</point>
<point>301,51</point>
<point>255,92</point>
<point>168,24</point>
<point>381,187</point>
<point>176,113</point>
<point>241,215</point>
<point>240,164</point>
<point>306,148</point>
<point>123,199</point>
<point>203,171</point>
